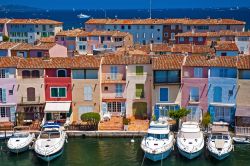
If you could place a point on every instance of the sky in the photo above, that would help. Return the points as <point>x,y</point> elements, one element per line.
<point>126,4</point>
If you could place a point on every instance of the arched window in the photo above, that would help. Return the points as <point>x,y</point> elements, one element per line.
<point>61,73</point>
<point>31,94</point>
<point>35,74</point>
<point>26,74</point>
<point>217,94</point>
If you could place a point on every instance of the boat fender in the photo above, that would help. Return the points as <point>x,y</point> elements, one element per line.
<point>132,140</point>
<point>233,148</point>
<point>66,140</point>
<point>173,148</point>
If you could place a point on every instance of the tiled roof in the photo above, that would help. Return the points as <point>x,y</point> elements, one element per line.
<point>34,21</point>
<point>191,34</point>
<point>202,61</point>
<point>86,62</point>
<point>43,46</point>
<point>125,59</point>
<point>167,62</point>
<point>31,63</point>
<point>186,21</point>
<point>154,47</point>
<point>108,33</point>
<point>243,62</point>
<point>6,62</point>
<point>50,39</point>
<point>7,45</point>
<point>23,46</point>
<point>226,46</point>
<point>189,48</point>
<point>213,34</point>
<point>3,20</point>
<point>71,33</point>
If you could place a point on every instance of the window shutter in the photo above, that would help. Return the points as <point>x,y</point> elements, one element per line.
<point>7,73</point>
<point>157,112</point>
<point>104,107</point>
<point>123,108</point>
<point>88,93</point>
<point>4,95</point>
<point>212,113</point>
<point>12,114</point>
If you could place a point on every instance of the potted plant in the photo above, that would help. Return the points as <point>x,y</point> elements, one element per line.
<point>177,115</point>
<point>126,122</point>
<point>206,120</point>
<point>92,119</point>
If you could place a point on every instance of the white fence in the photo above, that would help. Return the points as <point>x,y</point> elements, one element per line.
<point>242,131</point>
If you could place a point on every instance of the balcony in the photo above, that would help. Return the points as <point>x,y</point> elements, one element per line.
<point>30,100</point>
<point>113,78</point>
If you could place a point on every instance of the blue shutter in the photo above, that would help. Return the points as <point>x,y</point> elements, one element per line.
<point>157,112</point>
<point>232,115</point>
<point>12,114</point>
<point>164,94</point>
<point>4,95</point>
<point>104,107</point>
<point>123,109</point>
<point>212,112</point>
<point>7,73</point>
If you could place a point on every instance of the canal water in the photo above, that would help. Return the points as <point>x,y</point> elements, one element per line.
<point>118,152</point>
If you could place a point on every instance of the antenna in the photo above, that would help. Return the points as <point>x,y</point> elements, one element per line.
<point>150,9</point>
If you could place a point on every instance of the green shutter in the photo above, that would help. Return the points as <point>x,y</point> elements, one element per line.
<point>62,92</point>
<point>54,92</point>
<point>139,70</point>
<point>139,90</point>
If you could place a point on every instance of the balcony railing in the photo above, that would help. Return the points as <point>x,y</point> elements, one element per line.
<point>113,77</point>
<point>30,100</point>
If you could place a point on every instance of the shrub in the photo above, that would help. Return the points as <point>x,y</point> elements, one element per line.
<point>92,118</point>
<point>126,121</point>
<point>5,38</point>
<point>206,120</point>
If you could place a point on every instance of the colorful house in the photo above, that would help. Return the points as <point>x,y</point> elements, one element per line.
<point>30,91</point>
<point>113,84</point>
<point>86,96</point>
<point>226,48</point>
<point>58,89</point>
<point>8,89</point>
<point>166,92</point>
<point>222,89</point>
<point>195,86</point>
<point>5,48</point>
<point>243,92</point>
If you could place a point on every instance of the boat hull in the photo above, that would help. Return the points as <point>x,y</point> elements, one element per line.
<point>190,156</point>
<point>51,156</point>
<point>219,157</point>
<point>23,149</point>
<point>158,157</point>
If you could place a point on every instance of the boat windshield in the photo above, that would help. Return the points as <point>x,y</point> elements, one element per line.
<point>20,135</point>
<point>48,135</point>
<point>158,136</point>
<point>190,135</point>
<point>225,137</point>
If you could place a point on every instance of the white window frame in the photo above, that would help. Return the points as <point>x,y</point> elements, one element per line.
<point>58,91</point>
<point>198,72</point>
<point>2,73</point>
<point>5,112</point>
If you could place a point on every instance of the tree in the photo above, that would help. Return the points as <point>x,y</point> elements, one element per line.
<point>177,115</point>
<point>92,118</point>
<point>5,38</point>
<point>206,120</point>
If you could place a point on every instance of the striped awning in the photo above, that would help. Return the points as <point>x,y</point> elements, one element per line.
<point>52,107</point>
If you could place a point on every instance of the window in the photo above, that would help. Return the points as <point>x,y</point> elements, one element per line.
<point>139,70</point>
<point>222,114</point>
<point>91,74</point>
<point>122,27</point>
<point>129,26</point>
<point>115,26</point>
<point>200,39</point>
<point>228,27</point>
<point>78,74</point>
<point>2,73</point>
<point>181,39</point>
<point>31,96</point>
<point>164,94</point>
<point>106,88</point>
<point>11,92</point>
<point>244,74</point>
<point>35,74</point>
<point>58,92</point>
<point>118,90</point>
<point>203,27</point>
<point>172,36</point>
<point>223,54</point>
<point>2,95</point>
<point>26,74</point>
<point>194,94</point>
<point>61,73</point>
<point>115,106</point>
<point>139,90</point>
<point>198,72</point>
<point>171,76</point>
<point>230,93</point>
<point>165,34</point>
<point>3,112</point>
<point>82,47</point>
<point>39,54</point>
<point>114,71</point>
<point>191,39</point>
<point>217,94</point>
<point>44,27</point>
<point>152,27</point>
<point>88,94</point>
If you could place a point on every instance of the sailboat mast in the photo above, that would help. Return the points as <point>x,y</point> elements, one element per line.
<point>150,9</point>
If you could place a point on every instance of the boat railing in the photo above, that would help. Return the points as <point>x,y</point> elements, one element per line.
<point>185,146</point>
<point>242,131</point>
<point>21,145</point>
<point>47,151</point>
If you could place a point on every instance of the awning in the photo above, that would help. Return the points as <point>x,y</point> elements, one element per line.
<point>243,111</point>
<point>223,104</point>
<point>57,107</point>
<point>166,103</point>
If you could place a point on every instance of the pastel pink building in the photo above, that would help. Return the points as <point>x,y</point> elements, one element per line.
<point>195,86</point>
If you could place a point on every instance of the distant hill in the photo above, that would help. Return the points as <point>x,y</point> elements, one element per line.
<point>17,8</point>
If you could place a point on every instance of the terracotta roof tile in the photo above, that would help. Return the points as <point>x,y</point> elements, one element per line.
<point>4,20</point>
<point>23,46</point>
<point>43,46</point>
<point>31,63</point>
<point>86,62</point>
<point>226,46</point>
<point>7,45</point>
<point>34,21</point>
<point>6,62</point>
<point>124,59</point>
<point>167,62</point>
<point>186,21</point>
<point>50,39</point>
<point>243,62</point>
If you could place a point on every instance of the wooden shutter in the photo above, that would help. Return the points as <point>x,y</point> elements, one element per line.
<point>88,93</point>
<point>31,96</point>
